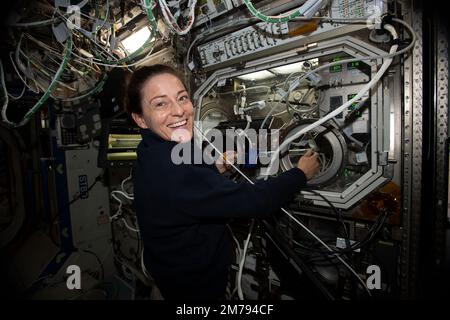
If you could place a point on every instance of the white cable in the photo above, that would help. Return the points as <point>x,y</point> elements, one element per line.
<point>126,195</point>
<point>20,76</point>
<point>34,24</point>
<point>238,246</point>
<point>19,96</point>
<point>285,211</point>
<point>119,210</point>
<point>234,238</point>
<point>122,185</point>
<point>128,226</point>
<point>97,61</point>
<point>5,92</point>
<point>382,56</point>
<point>190,48</point>
<point>337,111</point>
<point>171,21</point>
<point>328,248</point>
<point>242,262</point>
<point>144,269</point>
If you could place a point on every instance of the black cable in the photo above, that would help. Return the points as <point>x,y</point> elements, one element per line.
<point>102,268</point>
<point>374,230</point>
<point>338,214</point>
<point>57,215</point>
<point>376,227</point>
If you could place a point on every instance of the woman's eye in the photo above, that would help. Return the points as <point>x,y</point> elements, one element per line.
<point>160,104</point>
<point>184,98</point>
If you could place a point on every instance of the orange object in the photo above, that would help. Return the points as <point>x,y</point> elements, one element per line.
<point>304,28</point>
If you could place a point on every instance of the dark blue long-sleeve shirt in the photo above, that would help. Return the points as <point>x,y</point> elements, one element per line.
<point>182,212</point>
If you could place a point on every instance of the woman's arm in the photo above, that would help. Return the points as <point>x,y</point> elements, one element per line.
<point>203,193</point>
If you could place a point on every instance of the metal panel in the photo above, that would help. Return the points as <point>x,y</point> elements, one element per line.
<point>89,215</point>
<point>412,157</point>
<point>441,107</point>
<point>373,178</point>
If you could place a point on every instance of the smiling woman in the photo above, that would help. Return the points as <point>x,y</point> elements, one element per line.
<point>161,103</point>
<point>182,209</point>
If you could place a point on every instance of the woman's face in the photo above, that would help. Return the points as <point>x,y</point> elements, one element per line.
<point>166,108</point>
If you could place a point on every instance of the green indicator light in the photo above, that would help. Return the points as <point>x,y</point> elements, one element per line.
<point>336,68</point>
<point>353,106</point>
<point>346,173</point>
<point>353,65</point>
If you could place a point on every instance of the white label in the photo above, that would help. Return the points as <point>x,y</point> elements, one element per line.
<point>361,157</point>
<point>341,243</point>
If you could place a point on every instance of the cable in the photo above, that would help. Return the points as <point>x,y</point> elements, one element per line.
<point>337,111</point>
<point>5,92</point>
<point>188,55</point>
<point>98,61</point>
<point>34,23</point>
<point>238,246</point>
<point>119,210</point>
<point>19,96</point>
<point>46,94</point>
<point>336,212</point>
<point>128,227</point>
<point>308,9</point>
<point>373,231</point>
<point>126,195</point>
<point>147,6</point>
<point>19,75</point>
<point>288,214</point>
<point>329,249</point>
<point>58,54</point>
<point>106,16</point>
<point>77,197</point>
<point>172,22</point>
<point>144,269</point>
<point>98,260</point>
<point>242,262</point>
<point>97,88</point>
<point>122,185</point>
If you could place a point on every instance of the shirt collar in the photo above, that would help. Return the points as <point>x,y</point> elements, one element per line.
<point>150,137</point>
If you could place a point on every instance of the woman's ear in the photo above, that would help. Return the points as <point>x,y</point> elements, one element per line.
<point>139,120</point>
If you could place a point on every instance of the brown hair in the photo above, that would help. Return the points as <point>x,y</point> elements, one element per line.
<point>137,81</point>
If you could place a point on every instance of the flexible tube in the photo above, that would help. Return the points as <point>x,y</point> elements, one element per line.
<point>47,93</point>
<point>287,213</point>
<point>337,111</point>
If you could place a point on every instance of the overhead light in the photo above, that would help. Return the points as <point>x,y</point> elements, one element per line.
<point>259,75</point>
<point>288,69</point>
<point>134,41</point>
<point>295,67</point>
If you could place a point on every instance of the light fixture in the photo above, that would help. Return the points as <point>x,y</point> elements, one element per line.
<point>288,69</point>
<point>295,67</point>
<point>259,75</point>
<point>134,41</point>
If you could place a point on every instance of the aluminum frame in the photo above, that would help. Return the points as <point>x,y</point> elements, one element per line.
<point>354,47</point>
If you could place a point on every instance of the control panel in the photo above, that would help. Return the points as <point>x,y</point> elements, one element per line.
<point>243,42</point>
<point>267,38</point>
<point>210,9</point>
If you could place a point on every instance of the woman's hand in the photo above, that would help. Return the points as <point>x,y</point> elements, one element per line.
<point>309,164</point>
<point>223,164</point>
